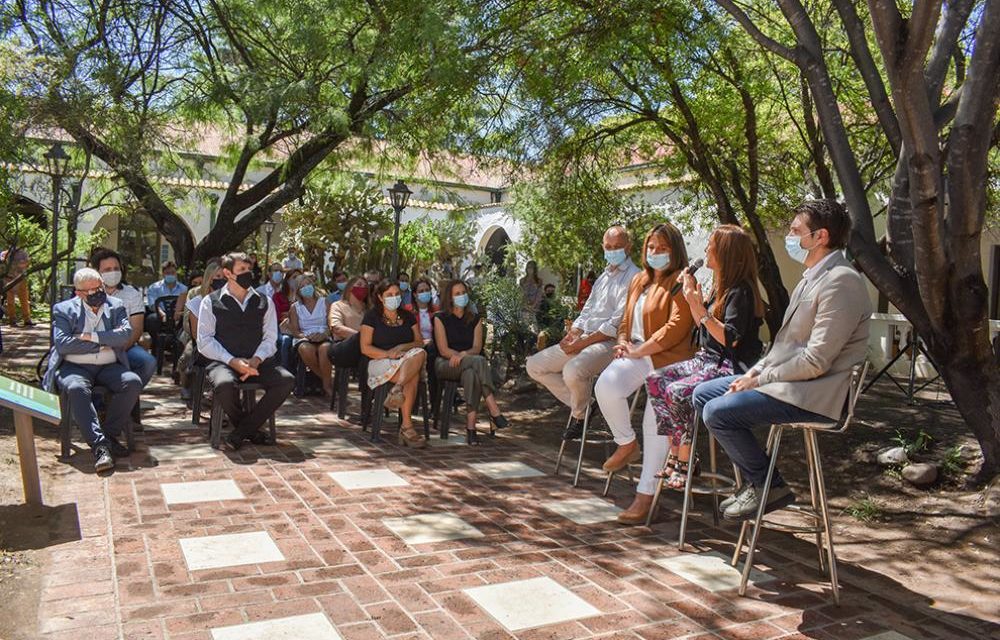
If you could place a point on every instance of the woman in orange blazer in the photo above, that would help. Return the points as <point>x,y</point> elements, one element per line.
<point>655,331</point>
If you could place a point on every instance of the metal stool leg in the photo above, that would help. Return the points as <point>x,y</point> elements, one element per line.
<point>813,499</point>
<point>825,516</point>
<point>746,523</point>
<point>562,447</point>
<point>686,506</point>
<point>583,444</point>
<point>758,520</point>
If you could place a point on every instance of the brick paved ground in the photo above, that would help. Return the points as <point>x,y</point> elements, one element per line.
<point>326,561</point>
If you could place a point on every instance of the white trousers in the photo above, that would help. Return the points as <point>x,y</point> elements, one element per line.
<point>621,379</point>
<point>568,377</point>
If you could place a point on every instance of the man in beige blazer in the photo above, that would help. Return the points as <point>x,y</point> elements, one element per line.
<point>806,374</point>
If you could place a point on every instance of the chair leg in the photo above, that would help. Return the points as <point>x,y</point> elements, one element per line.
<point>686,505</point>
<point>824,513</point>
<point>713,465</point>
<point>562,447</point>
<point>759,518</point>
<point>583,444</point>
<point>448,406</point>
<point>746,523</point>
<point>378,411</point>
<point>335,388</point>
<point>215,425</point>
<point>197,394</point>
<point>813,499</point>
<point>424,408</point>
<point>607,483</point>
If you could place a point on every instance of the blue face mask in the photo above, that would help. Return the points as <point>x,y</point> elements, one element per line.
<point>307,291</point>
<point>277,277</point>
<point>614,257</point>
<point>793,245</point>
<point>424,297</point>
<point>658,261</point>
<point>461,300</point>
<point>342,286</point>
<point>170,280</point>
<point>404,286</point>
<point>392,302</point>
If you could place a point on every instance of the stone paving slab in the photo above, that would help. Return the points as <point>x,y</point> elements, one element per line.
<point>305,555</point>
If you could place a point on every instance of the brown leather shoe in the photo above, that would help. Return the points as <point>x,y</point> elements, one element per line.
<point>637,511</point>
<point>623,455</point>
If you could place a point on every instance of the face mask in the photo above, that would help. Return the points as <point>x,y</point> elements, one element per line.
<point>424,297</point>
<point>658,261</point>
<point>218,283</point>
<point>245,279</point>
<point>307,291</point>
<point>793,245</point>
<point>170,280</point>
<point>404,286</point>
<point>97,299</point>
<point>341,286</point>
<point>392,302</point>
<point>112,278</point>
<point>359,292</point>
<point>462,300</point>
<point>277,277</point>
<point>550,294</point>
<point>614,257</point>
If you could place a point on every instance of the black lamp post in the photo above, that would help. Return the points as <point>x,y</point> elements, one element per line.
<point>57,163</point>
<point>268,230</point>
<point>399,195</point>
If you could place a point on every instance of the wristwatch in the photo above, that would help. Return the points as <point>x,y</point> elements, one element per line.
<point>704,319</point>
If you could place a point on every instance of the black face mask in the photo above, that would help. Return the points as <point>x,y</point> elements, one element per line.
<point>245,280</point>
<point>97,298</point>
<point>218,283</point>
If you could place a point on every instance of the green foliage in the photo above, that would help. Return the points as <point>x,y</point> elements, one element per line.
<point>499,299</point>
<point>866,508</point>
<point>953,465</point>
<point>915,444</point>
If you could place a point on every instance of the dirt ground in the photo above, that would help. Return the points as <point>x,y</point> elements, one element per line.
<point>942,543</point>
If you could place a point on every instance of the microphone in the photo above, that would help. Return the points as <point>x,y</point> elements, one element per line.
<point>692,268</point>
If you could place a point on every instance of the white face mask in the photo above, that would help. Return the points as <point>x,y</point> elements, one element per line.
<point>111,278</point>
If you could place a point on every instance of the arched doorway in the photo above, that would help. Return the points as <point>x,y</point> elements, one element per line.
<point>496,249</point>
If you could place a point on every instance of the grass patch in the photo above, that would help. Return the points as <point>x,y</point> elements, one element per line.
<point>866,509</point>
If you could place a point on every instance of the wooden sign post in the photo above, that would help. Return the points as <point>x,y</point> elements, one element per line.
<point>28,402</point>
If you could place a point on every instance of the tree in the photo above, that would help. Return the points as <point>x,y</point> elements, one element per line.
<point>285,84</point>
<point>934,91</point>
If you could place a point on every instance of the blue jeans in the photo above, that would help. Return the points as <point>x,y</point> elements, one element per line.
<point>732,417</point>
<point>142,362</point>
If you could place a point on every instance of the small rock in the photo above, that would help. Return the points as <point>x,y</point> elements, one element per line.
<point>896,455</point>
<point>920,474</point>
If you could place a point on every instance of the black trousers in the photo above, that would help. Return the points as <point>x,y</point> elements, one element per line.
<point>346,353</point>
<point>277,383</point>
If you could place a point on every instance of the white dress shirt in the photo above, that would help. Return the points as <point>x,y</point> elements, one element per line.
<point>213,350</point>
<point>91,321</point>
<point>605,307</point>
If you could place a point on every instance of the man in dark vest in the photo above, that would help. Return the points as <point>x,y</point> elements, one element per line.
<point>238,332</point>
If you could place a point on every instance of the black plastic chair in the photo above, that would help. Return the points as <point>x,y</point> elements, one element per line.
<point>370,399</point>
<point>444,406</point>
<point>167,334</point>
<point>341,383</point>
<point>66,422</point>
<point>248,398</point>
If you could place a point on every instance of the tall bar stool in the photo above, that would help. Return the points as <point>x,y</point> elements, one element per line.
<point>710,482</point>
<point>817,510</point>
<point>603,439</point>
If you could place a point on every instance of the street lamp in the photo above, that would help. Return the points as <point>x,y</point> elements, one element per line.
<point>57,163</point>
<point>268,230</point>
<point>399,195</point>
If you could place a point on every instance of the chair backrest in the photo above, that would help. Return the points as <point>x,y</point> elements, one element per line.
<point>167,304</point>
<point>854,392</point>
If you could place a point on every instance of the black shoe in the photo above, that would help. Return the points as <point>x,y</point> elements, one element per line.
<point>232,442</point>
<point>472,437</point>
<point>118,450</point>
<point>458,401</point>
<point>574,431</point>
<point>261,438</point>
<point>103,460</point>
<point>499,421</point>
<point>28,323</point>
<point>747,502</point>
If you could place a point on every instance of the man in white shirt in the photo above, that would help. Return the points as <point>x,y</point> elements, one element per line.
<point>90,332</point>
<point>238,332</point>
<point>565,369</point>
<point>275,276</point>
<point>292,261</point>
<point>109,264</point>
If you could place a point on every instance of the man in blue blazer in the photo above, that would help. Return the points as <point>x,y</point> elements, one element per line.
<point>90,333</point>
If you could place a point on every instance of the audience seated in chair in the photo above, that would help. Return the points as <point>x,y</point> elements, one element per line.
<point>655,331</point>
<point>391,338</point>
<point>167,286</point>
<point>212,280</point>
<point>806,374</point>
<point>307,326</point>
<point>458,335</point>
<point>112,271</point>
<point>237,332</point>
<point>91,333</point>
